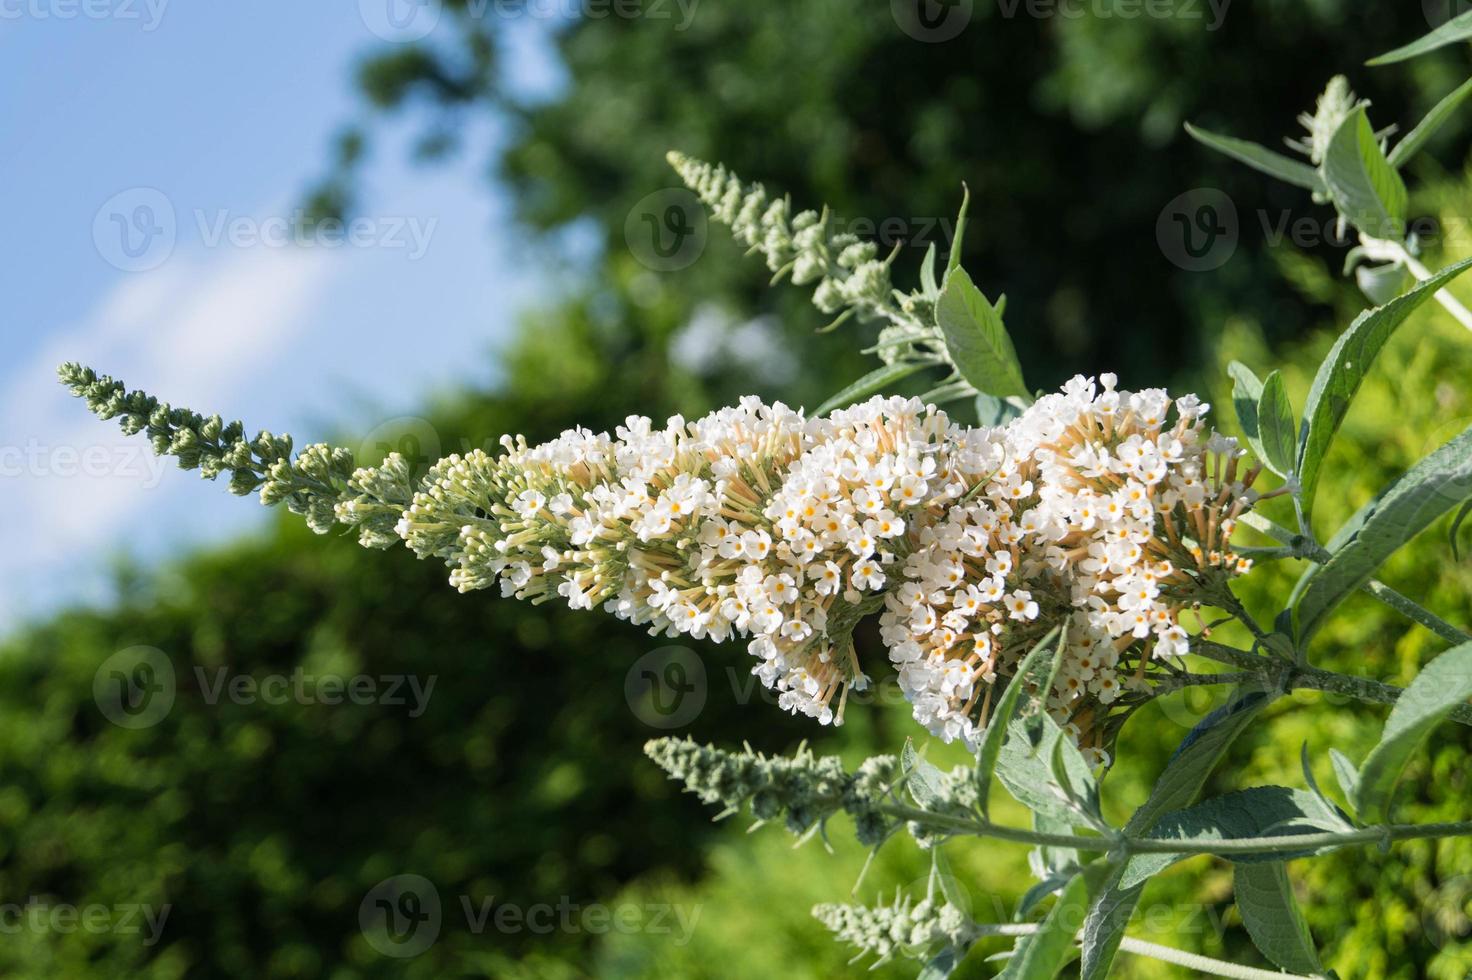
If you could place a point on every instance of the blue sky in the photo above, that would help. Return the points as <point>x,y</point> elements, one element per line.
<point>152,156</point>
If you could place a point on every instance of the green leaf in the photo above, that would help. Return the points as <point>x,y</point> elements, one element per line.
<point>924,781</point>
<point>1035,895</point>
<point>1198,753</point>
<point>1457,526</point>
<point>928,285</point>
<point>1178,787</point>
<point>1275,420</point>
<point>1272,917</point>
<point>1109,914</point>
<point>1442,685</point>
<point>1262,811</point>
<point>1047,651</point>
<point>871,383</point>
<point>1366,190</point>
<point>1025,768</point>
<point>1346,774</point>
<point>1246,393</point>
<point>976,339</point>
<point>993,411</point>
<point>1344,369</point>
<point>941,966</point>
<point>1408,506</point>
<point>1459,28</point>
<point>953,261</point>
<point>1043,955</point>
<point>1261,158</point>
<point>950,885</point>
<point>1424,130</point>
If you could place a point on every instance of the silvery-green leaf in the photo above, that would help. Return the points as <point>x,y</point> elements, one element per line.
<point>1346,774</point>
<point>1025,768</point>
<point>1260,158</point>
<point>1457,526</point>
<point>924,781</point>
<point>994,411</point>
<point>1442,685</point>
<point>929,287</point>
<point>1408,506</point>
<point>1246,392</point>
<point>1459,28</point>
<point>1179,785</point>
<point>976,339</point>
<point>1276,423</point>
<point>953,261</point>
<point>1344,369</point>
<point>1042,660</point>
<point>1043,954</point>
<point>1439,114</point>
<point>1272,917</point>
<point>940,966</point>
<point>872,383</point>
<point>1262,811</point>
<point>1366,190</point>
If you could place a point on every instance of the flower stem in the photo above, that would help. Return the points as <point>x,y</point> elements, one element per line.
<point>1284,844</point>
<point>1139,947</point>
<point>1446,299</point>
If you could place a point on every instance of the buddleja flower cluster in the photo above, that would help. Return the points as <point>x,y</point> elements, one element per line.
<point>1109,510</point>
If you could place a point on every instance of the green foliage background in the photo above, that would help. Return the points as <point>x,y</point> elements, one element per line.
<point>263,826</point>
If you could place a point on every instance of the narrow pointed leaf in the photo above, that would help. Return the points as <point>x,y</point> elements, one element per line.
<point>1272,917</point>
<point>1246,393</point>
<point>1344,369</point>
<point>1459,28</point>
<point>1043,954</point>
<point>953,261</point>
<point>872,383</point>
<point>1260,158</point>
<point>1262,811</point>
<point>1428,126</point>
<point>1275,419</point>
<point>1407,507</point>
<point>1345,774</point>
<point>1442,685</point>
<point>1178,787</point>
<point>1047,651</point>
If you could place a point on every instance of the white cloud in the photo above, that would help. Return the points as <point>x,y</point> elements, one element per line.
<point>199,331</point>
